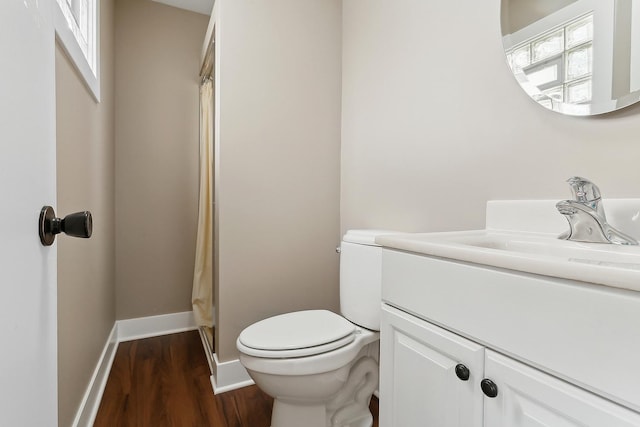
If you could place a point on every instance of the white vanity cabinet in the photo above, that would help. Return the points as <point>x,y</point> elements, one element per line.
<point>431,377</point>
<point>572,348</point>
<point>428,375</point>
<point>527,397</point>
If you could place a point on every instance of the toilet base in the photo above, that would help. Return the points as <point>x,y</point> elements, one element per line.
<point>349,407</point>
<point>287,415</point>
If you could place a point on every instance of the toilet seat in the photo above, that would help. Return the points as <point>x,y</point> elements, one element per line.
<point>297,334</point>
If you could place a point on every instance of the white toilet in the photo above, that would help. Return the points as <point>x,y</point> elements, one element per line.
<point>322,368</point>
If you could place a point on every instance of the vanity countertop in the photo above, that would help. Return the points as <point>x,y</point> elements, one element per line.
<point>522,236</point>
<point>537,253</point>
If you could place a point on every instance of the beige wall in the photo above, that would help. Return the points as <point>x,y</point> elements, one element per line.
<point>278,164</point>
<point>85,181</point>
<point>157,63</point>
<point>434,124</point>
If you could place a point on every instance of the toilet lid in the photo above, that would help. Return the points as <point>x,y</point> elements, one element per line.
<point>297,334</point>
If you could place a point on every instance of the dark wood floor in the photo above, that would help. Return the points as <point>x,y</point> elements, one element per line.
<point>164,381</point>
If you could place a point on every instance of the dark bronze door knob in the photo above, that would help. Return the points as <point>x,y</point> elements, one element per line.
<point>79,224</point>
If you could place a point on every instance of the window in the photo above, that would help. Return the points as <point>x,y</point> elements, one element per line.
<point>76,23</point>
<point>559,62</point>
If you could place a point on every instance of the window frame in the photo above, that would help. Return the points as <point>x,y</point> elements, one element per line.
<point>533,35</point>
<point>70,45</point>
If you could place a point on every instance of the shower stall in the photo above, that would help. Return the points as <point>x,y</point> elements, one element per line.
<point>203,277</point>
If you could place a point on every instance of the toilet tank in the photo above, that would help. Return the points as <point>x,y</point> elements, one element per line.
<point>361,277</point>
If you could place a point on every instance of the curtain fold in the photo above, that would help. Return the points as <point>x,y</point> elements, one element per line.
<point>202,294</point>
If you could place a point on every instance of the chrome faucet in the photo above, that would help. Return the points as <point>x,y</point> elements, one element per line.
<point>586,217</point>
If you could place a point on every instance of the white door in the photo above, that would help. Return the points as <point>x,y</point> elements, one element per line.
<point>530,398</point>
<point>28,361</point>
<point>420,384</point>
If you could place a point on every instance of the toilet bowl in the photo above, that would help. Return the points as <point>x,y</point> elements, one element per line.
<point>306,388</point>
<point>322,368</point>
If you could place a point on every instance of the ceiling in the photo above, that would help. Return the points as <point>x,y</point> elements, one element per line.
<point>200,6</point>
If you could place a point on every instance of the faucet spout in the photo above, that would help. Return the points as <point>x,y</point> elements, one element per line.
<point>586,225</point>
<point>586,217</point>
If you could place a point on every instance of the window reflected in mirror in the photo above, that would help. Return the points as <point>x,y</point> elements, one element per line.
<point>578,57</point>
<point>558,63</point>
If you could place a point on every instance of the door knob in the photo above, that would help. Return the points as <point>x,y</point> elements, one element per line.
<point>79,224</point>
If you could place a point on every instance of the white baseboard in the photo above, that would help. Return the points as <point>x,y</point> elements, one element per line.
<point>126,330</point>
<point>88,410</point>
<point>152,326</point>
<point>229,376</point>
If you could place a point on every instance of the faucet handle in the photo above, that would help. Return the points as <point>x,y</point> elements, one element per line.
<point>587,193</point>
<point>583,190</point>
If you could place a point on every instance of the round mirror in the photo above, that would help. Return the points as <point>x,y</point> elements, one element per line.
<point>577,57</point>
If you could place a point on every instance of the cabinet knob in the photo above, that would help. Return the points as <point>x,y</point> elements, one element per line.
<point>462,372</point>
<point>489,388</point>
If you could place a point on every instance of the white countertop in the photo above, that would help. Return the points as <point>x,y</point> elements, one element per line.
<point>516,242</point>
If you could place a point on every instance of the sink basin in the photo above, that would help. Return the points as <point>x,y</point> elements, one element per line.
<point>529,243</point>
<point>538,253</point>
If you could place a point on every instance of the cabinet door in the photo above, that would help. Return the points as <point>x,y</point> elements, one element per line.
<point>419,386</point>
<point>530,398</point>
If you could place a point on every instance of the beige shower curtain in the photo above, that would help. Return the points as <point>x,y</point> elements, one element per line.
<point>202,295</point>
